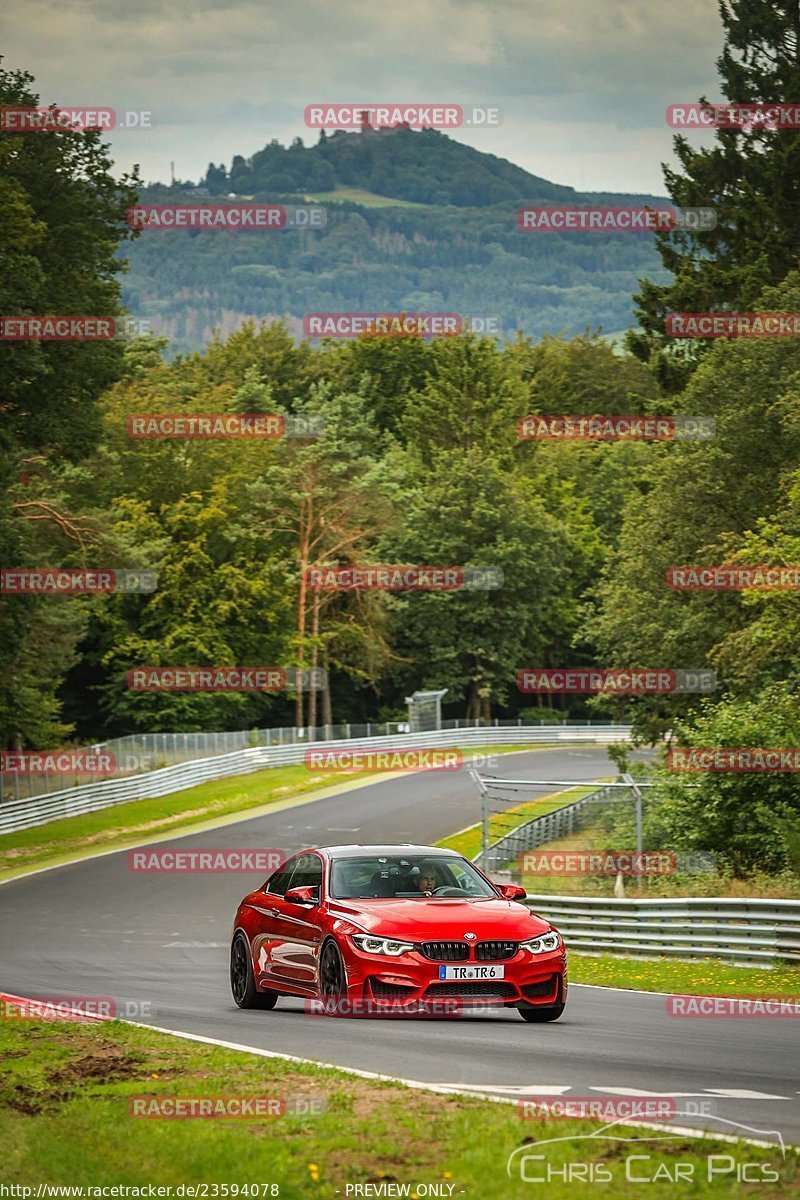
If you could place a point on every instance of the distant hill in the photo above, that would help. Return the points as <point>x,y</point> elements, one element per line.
<point>416,221</point>
<point>426,167</point>
<point>423,168</point>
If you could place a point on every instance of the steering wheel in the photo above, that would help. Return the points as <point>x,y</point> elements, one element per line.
<point>447,891</point>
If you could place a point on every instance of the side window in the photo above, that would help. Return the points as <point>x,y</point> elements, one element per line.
<point>278,883</point>
<point>463,878</point>
<point>307,871</point>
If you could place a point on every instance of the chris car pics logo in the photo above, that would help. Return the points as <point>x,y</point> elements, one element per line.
<point>622,1154</point>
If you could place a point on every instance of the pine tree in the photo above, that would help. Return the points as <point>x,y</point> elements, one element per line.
<point>751,176</point>
<point>255,394</point>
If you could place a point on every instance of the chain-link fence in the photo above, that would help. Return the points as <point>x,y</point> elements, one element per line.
<point>510,825</point>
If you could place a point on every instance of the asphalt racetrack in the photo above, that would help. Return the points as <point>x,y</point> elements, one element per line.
<point>161,940</point>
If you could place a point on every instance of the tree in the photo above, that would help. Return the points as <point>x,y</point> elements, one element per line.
<point>464,508</point>
<point>694,506</point>
<point>763,650</point>
<point>749,818</point>
<point>323,501</point>
<point>473,498</point>
<point>216,179</point>
<point>751,177</point>
<point>62,217</point>
<point>254,396</point>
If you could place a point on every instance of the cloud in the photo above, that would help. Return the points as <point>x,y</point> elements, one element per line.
<point>583,83</point>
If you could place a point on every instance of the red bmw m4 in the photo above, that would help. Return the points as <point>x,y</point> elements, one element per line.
<point>371,928</point>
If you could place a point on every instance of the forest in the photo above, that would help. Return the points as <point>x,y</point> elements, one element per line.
<point>416,460</point>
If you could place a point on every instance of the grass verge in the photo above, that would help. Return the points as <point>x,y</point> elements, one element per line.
<point>137,820</point>
<point>706,976</point>
<point>703,977</point>
<point>468,841</point>
<point>365,198</point>
<point>698,884</point>
<point>66,1090</point>
<point>121,824</point>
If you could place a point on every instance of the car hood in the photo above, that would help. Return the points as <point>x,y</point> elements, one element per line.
<point>436,920</point>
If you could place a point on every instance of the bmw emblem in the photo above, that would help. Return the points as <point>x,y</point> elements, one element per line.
<point>470,936</point>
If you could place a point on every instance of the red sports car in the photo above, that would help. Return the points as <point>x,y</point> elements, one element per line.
<point>363,928</point>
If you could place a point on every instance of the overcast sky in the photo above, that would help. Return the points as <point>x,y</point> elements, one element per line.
<point>583,84</point>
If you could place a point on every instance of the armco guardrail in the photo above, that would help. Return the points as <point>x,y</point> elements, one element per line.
<point>742,931</point>
<point>38,810</point>
<point>137,753</point>
<point>561,822</point>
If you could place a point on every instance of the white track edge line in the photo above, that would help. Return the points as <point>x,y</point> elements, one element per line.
<point>438,1088</point>
<point>447,1089</point>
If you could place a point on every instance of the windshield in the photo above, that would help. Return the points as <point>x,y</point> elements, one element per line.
<point>407,876</point>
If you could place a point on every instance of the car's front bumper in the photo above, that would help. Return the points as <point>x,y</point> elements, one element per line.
<point>413,979</point>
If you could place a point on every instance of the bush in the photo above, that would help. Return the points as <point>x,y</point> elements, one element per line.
<point>751,819</point>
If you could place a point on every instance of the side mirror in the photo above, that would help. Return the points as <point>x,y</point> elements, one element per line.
<point>511,891</point>
<point>303,895</point>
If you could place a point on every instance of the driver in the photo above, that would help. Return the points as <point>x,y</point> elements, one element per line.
<point>426,880</point>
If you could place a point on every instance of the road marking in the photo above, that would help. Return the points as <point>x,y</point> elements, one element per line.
<point>604,987</point>
<point>728,1093</point>
<point>744,1094</point>
<point>517,1089</point>
<point>642,1092</point>
<point>439,1088</point>
<point>442,1089</point>
<point>193,945</point>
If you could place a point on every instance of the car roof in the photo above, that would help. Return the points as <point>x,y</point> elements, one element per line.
<point>396,850</point>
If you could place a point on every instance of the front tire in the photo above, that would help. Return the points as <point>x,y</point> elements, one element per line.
<point>243,984</point>
<point>332,978</point>
<point>541,1013</point>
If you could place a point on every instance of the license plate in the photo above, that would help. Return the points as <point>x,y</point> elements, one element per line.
<point>472,971</point>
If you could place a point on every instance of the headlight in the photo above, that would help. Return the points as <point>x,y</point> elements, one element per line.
<point>378,945</point>
<point>544,944</point>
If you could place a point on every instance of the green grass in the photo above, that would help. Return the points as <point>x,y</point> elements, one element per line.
<point>469,841</point>
<point>140,820</point>
<point>64,1120</point>
<point>72,837</point>
<point>368,199</point>
<point>667,886</point>
<point>695,977</point>
<point>704,977</point>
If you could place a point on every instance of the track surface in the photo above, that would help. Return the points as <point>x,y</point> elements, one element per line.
<point>95,928</point>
